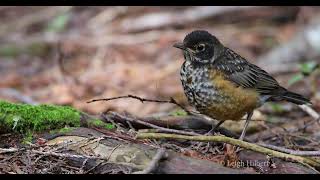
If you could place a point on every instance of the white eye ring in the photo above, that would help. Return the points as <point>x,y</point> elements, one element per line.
<point>200,47</point>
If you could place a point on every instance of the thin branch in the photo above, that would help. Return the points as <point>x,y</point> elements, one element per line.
<point>83,165</point>
<point>162,129</point>
<point>172,101</point>
<point>154,162</point>
<point>65,155</point>
<point>113,151</point>
<point>235,142</point>
<point>290,151</point>
<point>310,111</point>
<point>10,150</point>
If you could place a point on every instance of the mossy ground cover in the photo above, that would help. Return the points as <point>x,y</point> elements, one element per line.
<point>101,124</point>
<point>23,117</point>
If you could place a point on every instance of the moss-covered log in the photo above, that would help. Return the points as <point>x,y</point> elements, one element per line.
<point>25,117</point>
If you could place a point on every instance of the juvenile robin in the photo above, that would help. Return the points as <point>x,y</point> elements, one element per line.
<point>223,85</point>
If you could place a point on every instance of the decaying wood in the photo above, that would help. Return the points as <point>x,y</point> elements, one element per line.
<point>195,123</point>
<point>134,157</point>
<point>152,125</point>
<point>187,165</point>
<point>67,155</point>
<point>154,163</point>
<point>266,165</point>
<point>235,142</point>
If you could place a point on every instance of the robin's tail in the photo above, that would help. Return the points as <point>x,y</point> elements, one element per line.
<point>295,98</point>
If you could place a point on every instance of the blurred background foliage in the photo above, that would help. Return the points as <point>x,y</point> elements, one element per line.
<point>113,51</point>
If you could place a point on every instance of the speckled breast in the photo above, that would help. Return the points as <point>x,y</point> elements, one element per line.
<point>211,94</point>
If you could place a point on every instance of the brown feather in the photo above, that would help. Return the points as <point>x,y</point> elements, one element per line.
<point>237,100</point>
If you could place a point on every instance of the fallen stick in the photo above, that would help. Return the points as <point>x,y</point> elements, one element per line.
<point>154,162</point>
<point>10,150</point>
<point>246,145</point>
<point>162,129</point>
<point>290,151</point>
<point>310,111</point>
<point>65,155</point>
<point>172,101</point>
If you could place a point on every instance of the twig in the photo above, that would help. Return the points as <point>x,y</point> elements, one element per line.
<point>65,155</point>
<point>82,166</point>
<point>113,151</point>
<point>162,129</point>
<point>154,162</point>
<point>10,150</point>
<point>91,141</point>
<point>235,142</point>
<point>172,101</point>
<point>187,122</point>
<point>94,167</point>
<point>310,111</point>
<point>290,151</point>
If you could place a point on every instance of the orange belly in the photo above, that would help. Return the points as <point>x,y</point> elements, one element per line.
<point>236,102</point>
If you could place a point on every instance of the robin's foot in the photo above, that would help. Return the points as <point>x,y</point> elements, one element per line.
<point>214,129</point>
<point>210,133</point>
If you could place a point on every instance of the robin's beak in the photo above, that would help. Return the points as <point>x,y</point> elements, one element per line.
<point>179,45</point>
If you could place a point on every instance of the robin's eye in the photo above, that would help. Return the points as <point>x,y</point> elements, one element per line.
<point>200,47</point>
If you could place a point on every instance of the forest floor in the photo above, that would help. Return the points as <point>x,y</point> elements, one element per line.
<point>116,51</point>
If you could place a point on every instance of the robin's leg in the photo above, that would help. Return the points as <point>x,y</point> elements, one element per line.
<point>214,128</point>
<point>249,115</point>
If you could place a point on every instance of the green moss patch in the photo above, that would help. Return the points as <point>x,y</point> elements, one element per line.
<point>63,130</point>
<point>99,123</point>
<point>28,136</point>
<point>179,113</point>
<point>23,117</point>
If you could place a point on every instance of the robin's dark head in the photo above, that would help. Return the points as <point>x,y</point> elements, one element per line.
<point>200,46</point>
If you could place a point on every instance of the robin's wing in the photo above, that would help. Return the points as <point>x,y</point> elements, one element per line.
<point>245,74</point>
